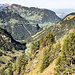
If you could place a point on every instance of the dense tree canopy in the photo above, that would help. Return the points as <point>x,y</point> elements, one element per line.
<point>65,62</point>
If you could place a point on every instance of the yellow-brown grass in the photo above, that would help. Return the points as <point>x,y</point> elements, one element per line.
<point>49,70</point>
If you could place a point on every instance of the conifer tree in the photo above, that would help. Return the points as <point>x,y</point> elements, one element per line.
<point>49,53</point>
<point>42,43</point>
<point>35,46</point>
<point>10,72</point>
<point>49,38</point>
<point>2,71</point>
<point>21,63</point>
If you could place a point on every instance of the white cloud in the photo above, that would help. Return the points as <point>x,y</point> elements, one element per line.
<point>43,3</point>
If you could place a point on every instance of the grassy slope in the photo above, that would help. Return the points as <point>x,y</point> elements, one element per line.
<point>48,71</point>
<point>36,71</point>
<point>9,56</point>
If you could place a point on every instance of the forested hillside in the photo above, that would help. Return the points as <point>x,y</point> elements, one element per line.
<point>65,63</point>
<point>9,49</point>
<point>19,27</point>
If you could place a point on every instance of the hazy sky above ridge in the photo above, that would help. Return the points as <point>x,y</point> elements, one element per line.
<point>42,3</point>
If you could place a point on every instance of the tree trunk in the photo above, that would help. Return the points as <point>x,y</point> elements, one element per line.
<point>68,73</point>
<point>71,62</point>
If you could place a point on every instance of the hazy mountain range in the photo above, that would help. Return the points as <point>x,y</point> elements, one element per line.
<point>63,12</point>
<point>3,6</point>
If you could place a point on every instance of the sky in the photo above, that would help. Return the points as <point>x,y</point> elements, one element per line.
<point>60,4</point>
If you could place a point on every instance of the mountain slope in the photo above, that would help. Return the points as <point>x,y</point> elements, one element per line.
<point>60,29</point>
<point>46,51</point>
<point>36,71</point>
<point>9,49</point>
<point>19,28</point>
<point>52,53</point>
<point>7,39</point>
<point>50,69</point>
<point>34,15</point>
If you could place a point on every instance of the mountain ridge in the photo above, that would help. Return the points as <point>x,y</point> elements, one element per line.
<point>34,15</point>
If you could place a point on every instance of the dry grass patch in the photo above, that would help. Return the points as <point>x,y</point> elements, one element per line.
<point>50,69</point>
